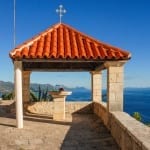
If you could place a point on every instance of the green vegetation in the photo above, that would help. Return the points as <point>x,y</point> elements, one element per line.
<point>33,97</point>
<point>148,124</point>
<point>42,95</point>
<point>137,116</point>
<point>8,96</point>
<point>8,87</point>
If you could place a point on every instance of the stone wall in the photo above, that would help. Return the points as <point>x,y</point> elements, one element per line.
<point>71,107</point>
<point>43,108</point>
<point>129,133</point>
<point>79,107</point>
<point>101,111</point>
<point>7,106</point>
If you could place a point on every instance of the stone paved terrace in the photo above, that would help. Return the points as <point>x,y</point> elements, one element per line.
<point>79,132</point>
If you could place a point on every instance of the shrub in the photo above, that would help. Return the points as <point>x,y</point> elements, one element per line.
<point>137,116</point>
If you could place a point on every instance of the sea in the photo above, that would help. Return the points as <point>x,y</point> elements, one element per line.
<point>135,100</point>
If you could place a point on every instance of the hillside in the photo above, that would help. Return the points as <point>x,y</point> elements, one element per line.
<point>6,87</point>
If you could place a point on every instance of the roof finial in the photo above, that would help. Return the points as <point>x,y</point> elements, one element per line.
<point>61,11</point>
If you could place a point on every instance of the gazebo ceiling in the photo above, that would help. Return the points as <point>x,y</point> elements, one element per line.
<point>60,66</point>
<point>62,47</point>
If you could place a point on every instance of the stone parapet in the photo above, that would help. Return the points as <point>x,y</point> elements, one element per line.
<point>100,109</point>
<point>129,133</point>
<point>47,108</point>
<point>43,108</point>
<point>79,107</point>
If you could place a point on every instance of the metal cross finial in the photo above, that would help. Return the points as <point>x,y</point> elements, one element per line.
<point>61,11</point>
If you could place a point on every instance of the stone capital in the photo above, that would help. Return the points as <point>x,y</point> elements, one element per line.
<point>18,64</point>
<point>95,72</point>
<point>114,63</point>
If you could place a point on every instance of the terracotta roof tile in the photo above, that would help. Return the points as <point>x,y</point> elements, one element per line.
<point>63,42</point>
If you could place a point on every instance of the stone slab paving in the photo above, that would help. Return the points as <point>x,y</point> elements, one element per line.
<point>79,132</point>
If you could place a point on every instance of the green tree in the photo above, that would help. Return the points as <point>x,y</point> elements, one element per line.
<point>137,116</point>
<point>8,96</point>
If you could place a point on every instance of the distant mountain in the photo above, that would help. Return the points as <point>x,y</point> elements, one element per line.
<point>35,86</point>
<point>6,87</point>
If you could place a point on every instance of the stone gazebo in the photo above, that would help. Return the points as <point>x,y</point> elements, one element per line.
<point>63,48</point>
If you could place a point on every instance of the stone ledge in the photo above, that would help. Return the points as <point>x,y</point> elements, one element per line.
<point>40,108</point>
<point>48,107</point>
<point>137,132</point>
<point>79,107</point>
<point>129,133</point>
<point>100,109</point>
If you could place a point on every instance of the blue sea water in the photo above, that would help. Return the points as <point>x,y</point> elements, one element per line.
<point>138,100</point>
<point>135,100</point>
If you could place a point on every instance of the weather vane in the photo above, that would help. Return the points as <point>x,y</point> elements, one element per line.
<point>61,11</point>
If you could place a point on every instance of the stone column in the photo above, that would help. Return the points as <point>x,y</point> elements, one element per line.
<point>26,87</point>
<point>115,85</point>
<point>18,93</point>
<point>59,104</point>
<point>59,107</point>
<point>96,86</point>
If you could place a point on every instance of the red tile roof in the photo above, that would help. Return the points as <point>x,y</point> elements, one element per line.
<point>63,42</point>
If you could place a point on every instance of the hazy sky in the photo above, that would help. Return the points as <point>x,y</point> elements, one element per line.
<point>121,23</point>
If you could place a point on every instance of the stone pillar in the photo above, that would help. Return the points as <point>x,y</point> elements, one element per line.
<point>96,86</point>
<point>18,93</point>
<point>59,108</point>
<point>59,104</point>
<point>115,85</point>
<point>26,87</point>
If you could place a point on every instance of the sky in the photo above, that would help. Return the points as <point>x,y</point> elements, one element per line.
<point>121,23</point>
